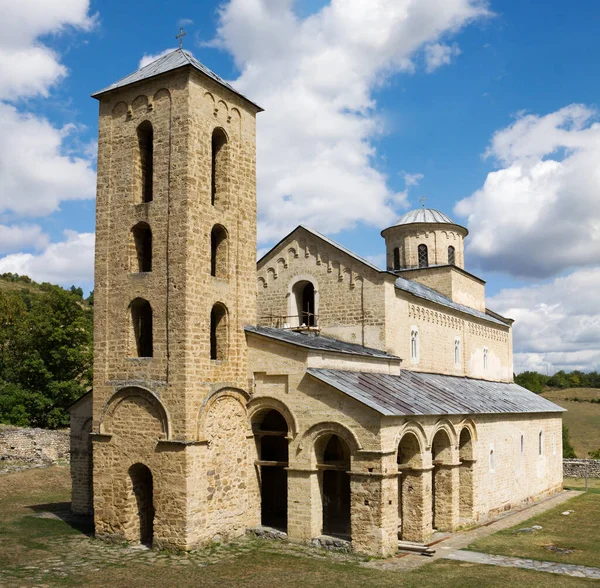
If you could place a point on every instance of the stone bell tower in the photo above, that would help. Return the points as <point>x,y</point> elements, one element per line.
<point>175,284</point>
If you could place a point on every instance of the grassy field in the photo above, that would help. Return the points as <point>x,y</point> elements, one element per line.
<point>579,532</point>
<point>37,547</point>
<point>582,418</point>
<point>579,484</point>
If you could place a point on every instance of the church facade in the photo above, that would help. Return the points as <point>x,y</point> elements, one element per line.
<point>312,393</point>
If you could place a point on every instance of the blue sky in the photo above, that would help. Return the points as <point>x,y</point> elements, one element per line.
<point>487,109</point>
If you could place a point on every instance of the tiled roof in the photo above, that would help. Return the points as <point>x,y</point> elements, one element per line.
<point>318,342</point>
<point>170,61</point>
<point>414,393</point>
<point>427,293</point>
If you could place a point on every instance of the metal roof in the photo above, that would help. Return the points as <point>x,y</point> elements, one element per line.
<point>327,240</point>
<point>317,342</point>
<point>424,215</point>
<point>414,393</point>
<point>427,293</point>
<point>169,62</point>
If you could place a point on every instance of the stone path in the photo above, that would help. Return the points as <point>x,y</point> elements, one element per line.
<point>527,564</point>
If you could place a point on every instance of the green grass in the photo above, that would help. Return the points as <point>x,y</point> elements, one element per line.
<point>582,418</point>
<point>579,484</point>
<point>579,531</point>
<point>37,550</point>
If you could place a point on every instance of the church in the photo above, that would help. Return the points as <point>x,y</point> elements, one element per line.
<point>312,393</point>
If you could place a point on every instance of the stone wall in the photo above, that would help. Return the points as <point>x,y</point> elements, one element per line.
<point>33,445</point>
<point>580,468</point>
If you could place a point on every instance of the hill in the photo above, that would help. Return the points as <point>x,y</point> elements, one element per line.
<point>582,418</point>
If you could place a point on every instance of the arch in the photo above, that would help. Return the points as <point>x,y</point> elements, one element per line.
<point>303,301</point>
<point>310,437</point>
<point>292,253</point>
<point>441,445</point>
<point>423,255</point>
<point>260,404</point>
<point>466,486</point>
<point>219,165</point>
<point>161,94</point>
<point>236,393</point>
<point>469,424</point>
<point>262,282</point>
<point>113,403</point>
<point>119,110</point>
<point>272,443</point>
<point>449,428</point>
<point>141,481</point>
<point>141,328</point>
<point>451,255</point>
<point>140,259</point>
<point>219,252</point>
<point>219,317</point>
<point>443,485</point>
<point>417,430</point>
<point>145,161</point>
<point>410,450</point>
<point>333,463</point>
<point>140,103</point>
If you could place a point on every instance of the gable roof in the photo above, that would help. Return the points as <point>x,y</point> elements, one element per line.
<point>416,393</point>
<point>318,342</point>
<point>329,242</point>
<point>427,293</point>
<point>169,62</point>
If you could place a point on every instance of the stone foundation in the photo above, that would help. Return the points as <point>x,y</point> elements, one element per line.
<point>580,468</point>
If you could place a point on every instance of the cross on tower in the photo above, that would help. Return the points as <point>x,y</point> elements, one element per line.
<point>180,36</point>
<point>423,200</point>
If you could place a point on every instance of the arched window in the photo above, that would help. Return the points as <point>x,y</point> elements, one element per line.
<point>142,241</point>
<point>451,257</point>
<point>141,319</point>
<point>145,136</point>
<point>522,444</point>
<point>304,294</point>
<point>218,248</point>
<point>396,258</point>
<point>218,332</point>
<point>414,345</point>
<point>457,352</point>
<point>423,256</point>
<point>492,461</point>
<point>218,165</point>
<point>540,443</point>
<point>485,358</point>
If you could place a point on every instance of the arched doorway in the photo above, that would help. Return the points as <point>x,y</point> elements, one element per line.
<point>441,480</point>
<point>271,432</point>
<point>333,462</point>
<point>465,486</point>
<point>142,485</point>
<point>409,457</point>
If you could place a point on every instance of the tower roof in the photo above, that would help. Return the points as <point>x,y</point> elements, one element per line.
<point>169,62</point>
<point>424,215</point>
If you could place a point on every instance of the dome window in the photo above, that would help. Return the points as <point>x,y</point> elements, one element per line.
<point>451,256</point>
<point>423,256</point>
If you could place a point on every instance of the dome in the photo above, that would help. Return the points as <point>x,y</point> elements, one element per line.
<point>424,215</point>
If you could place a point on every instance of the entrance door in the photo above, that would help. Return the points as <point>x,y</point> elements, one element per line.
<point>336,503</point>
<point>274,497</point>
<point>141,479</point>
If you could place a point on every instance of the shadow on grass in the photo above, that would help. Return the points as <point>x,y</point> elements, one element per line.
<point>62,511</point>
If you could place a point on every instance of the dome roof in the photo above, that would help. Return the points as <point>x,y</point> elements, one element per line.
<point>424,215</point>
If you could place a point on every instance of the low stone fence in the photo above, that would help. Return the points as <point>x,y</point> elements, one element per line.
<point>32,446</point>
<point>580,468</point>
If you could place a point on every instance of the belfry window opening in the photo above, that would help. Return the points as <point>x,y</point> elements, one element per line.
<point>142,241</point>
<point>145,136</point>
<point>218,332</point>
<point>423,256</point>
<point>141,320</point>
<point>414,345</point>
<point>218,165</point>
<point>218,248</point>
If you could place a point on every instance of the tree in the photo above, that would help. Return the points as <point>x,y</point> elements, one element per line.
<point>533,381</point>
<point>45,355</point>
<point>568,451</point>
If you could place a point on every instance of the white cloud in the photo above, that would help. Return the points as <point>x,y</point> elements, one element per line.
<point>35,173</point>
<point>27,66</point>
<point>68,262</point>
<point>147,59</point>
<point>438,54</point>
<point>557,324</point>
<point>315,77</point>
<point>539,215</point>
<point>17,237</point>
